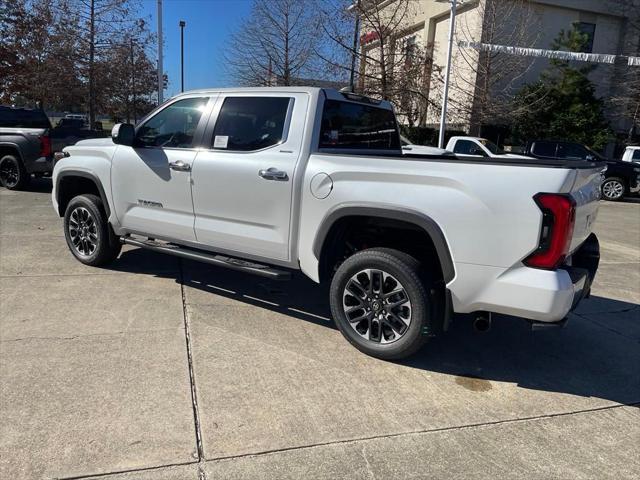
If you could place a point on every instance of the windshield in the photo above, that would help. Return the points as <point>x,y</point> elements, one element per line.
<point>492,147</point>
<point>405,141</point>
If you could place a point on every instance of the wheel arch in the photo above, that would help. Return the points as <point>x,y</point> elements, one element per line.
<point>7,148</point>
<point>423,222</point>
<point>66,188</point>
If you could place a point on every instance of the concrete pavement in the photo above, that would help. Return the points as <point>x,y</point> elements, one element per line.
<point>155,368</point>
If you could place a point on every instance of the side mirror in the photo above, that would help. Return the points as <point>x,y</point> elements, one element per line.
<point>123,134</point>
<point>590,158</point>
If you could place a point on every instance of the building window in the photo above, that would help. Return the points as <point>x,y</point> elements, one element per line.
<point>409,50</point>
<point>588,29</point>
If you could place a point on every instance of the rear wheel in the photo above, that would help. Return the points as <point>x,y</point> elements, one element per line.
<point>13,175</point>
<point>613,189</point>
<point>89,236</point>
<point>380,303</point>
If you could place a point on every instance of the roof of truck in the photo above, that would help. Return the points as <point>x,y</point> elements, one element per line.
<point>331,93</point>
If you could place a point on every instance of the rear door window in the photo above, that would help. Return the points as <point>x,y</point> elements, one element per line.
<point>347,125</point>
<point>247,124</point>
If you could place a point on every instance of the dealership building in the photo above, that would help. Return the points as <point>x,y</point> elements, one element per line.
<point>611,27</point>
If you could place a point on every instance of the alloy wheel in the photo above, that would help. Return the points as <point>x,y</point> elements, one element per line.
<point>9,173</point>
<point>83,231</point>
<point>377,306</point>
<point>612,189</point>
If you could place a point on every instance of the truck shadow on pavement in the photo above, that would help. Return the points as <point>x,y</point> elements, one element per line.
<point>596,355</point>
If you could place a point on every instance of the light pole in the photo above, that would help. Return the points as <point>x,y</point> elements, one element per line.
<point>182,25</point>
<point>356,31</point>
<point>445,95</point>
<point>160,69</point>
<point>133,81</point>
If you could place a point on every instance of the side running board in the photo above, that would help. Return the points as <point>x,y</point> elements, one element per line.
<point>210,258</point>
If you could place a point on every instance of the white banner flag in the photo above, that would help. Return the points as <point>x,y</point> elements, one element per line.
<point>538,52</point>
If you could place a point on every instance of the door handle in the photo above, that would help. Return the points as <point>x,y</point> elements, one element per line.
<point>273,174</point>
<point>180,166</point>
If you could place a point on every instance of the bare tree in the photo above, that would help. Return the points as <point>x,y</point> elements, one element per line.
<point>625,97</point>
<point>102,23</point>
<point>482,83</point>
<point>127,76</point>
<point>393,65</point>
<point>275,44</point>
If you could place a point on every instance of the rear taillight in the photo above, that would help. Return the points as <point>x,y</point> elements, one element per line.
<point>45,146</point>
<point>558,218</point>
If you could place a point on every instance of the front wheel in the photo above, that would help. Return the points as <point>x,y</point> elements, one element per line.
<point>380,303</point>
<point>89,236</point>
<point>613,189</point>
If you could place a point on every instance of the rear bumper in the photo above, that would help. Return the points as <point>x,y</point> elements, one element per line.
<point>40,165</point>
<point>534,294</point>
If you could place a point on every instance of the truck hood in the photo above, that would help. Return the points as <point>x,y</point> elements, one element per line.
<point>96,142</point>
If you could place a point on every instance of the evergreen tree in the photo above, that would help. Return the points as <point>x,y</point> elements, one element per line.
<point>563,104</point>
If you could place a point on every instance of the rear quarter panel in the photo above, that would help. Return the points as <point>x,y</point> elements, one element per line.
<point>486,211</point>
<point>25,140</point>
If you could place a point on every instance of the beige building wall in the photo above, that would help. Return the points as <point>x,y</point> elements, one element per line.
<point>429,23</point>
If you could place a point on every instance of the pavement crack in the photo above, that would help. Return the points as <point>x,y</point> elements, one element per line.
<point>192,378</point>
<point>87,335</point>
<point>156,468</point>
<point>425,431</point>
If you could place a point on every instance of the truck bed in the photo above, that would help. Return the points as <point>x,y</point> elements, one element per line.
<point>533,162</point>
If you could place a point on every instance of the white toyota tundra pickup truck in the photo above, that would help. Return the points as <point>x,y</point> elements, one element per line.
<point>272,180</point>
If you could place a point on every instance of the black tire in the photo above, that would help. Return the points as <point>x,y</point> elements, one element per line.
<point>613,189</point>
<point>13,175</point>
<point>402,269</point>
<point>89,236</point>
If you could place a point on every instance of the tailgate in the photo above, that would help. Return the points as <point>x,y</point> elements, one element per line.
<point>586,193</point>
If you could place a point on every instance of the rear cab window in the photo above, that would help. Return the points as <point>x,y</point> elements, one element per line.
<point>636,155</point>
<point>467,147</point>
<point>356,126</point>
<point>572,151</point>
<point>544,149</point>
<point>23,118</point>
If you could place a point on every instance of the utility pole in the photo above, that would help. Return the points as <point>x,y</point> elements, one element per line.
<point>160,68</point>
<point>445,95</point>
<point>182,25</point>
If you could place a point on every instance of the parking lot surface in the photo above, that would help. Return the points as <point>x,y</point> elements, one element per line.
<point>157,368</point>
